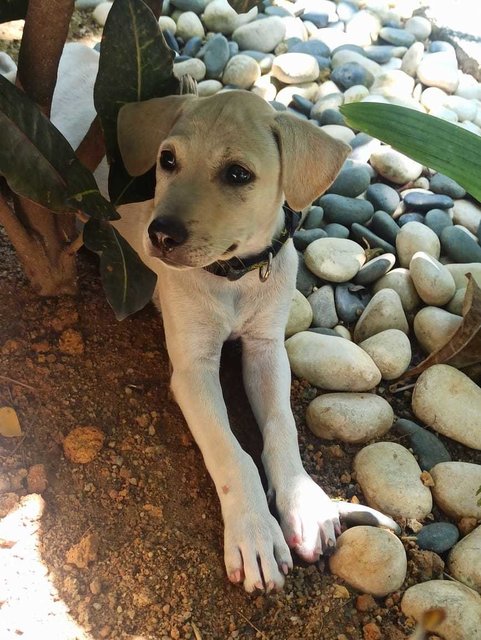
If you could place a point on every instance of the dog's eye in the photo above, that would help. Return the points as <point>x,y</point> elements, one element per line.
<point>167,160</point>
<point>236,174</point>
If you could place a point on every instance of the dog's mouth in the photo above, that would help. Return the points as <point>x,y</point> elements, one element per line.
<point>181,259</point>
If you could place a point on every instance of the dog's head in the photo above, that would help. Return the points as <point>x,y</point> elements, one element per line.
<point>224,166</point>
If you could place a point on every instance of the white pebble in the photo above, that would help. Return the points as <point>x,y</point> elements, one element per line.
<point>390,351</point>
<point>395,166</point>
<point>455,487</point>
<point>464,562</point>
<point>300,314</point>
<point>334,259</point>
<point>434,327</point>
<point>434,283</point>
<point>384,311</point>
<point>414,237</point>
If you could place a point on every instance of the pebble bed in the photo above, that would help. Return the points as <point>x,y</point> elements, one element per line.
<point>383,258</point>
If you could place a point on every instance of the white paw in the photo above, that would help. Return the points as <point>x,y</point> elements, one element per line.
<point>255,551</point>
<point>309,520</point>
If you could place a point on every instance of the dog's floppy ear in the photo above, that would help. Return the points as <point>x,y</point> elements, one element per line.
<point>310,159</point>
<point>141,127</point>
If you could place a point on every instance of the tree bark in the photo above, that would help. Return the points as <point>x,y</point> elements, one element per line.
<point>44,35</point>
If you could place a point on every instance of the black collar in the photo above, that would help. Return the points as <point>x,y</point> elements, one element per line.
<point>235,268</point>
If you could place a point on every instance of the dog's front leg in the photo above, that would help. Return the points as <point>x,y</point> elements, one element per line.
<point>254,548</point>
<point>309,519</point>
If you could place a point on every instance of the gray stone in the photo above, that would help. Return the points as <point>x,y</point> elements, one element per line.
<point>383,197</point>
<point>397,37</point>
<point>330,116</point>
<point>314,218</point>
<point>351,182</point>
<point>192,47</point>
<point>216,56</point>
<point>459,246</point>
<point>260,35</point>
<point>344,210</point>
<point>304,237</point>
<point>351,300</point>
<point>440,183</point>
<point>323,307</point>
<point>384,226</point>
<point>351,74</point>
<point>410,217</point>
<point>428,449</point>
<point>363,235</point>
<point>312,47</point>
<point>438,220</point>
<point>331,363</point>
<point>375,269</point>
<point>379,53</point>
<point>426,201</point>
<point>335,230</point>
<point>306,281</point>
<point>438,537</point>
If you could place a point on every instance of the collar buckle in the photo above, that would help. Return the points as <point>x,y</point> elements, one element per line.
<point>266,268</point>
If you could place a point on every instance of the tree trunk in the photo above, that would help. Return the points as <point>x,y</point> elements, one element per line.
<point>41,238</point>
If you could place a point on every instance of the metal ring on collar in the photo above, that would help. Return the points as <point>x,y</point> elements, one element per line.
<point>265,269</point>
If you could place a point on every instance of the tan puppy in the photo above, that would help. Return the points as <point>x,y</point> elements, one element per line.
<point>225,165</point>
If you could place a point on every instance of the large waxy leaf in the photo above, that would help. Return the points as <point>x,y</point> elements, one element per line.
<point>13,10</point>
<point>38,162</point>
<point>127,282</point>
<point>135,64</point>
<point>435,143</point>
<point>464,347</point>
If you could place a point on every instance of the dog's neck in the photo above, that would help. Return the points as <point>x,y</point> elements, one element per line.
<point>235,268</point>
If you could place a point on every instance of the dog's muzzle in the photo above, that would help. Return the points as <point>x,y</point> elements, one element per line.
<point>167,234</point>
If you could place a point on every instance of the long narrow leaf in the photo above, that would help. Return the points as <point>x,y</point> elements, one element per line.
<point>38,162</point>
<point>135,64</point>
<point>127,282</point>
<point>435,143</point>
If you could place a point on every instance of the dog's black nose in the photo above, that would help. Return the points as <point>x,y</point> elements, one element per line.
<point>167,233</point>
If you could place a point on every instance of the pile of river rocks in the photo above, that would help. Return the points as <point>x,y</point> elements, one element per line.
<point>383,261</point>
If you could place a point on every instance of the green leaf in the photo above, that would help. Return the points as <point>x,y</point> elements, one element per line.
<point>39,164</point>
<point>135,64</point>
<point>128,283</point>
<point>13,10</point>
<point>243,6</point>
<point>435,143</point>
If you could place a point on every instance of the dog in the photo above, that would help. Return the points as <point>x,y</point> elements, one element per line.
<point>218,236</point>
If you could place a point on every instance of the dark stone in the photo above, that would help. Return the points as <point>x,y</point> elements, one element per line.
<point>304,237</point>
<point>323,307</point>
<point>375,269</point>
<point>171,41</point>
<point>216,56</point>
<point>313,47</point>
<point>427,201</point>
<point>314,218</point>
<point>278,106</point>
<point>428,448</point>
<point>192,46</point>
<point>330,116</point>
<point>351,300</point>
<point>297,114</point>
<point>234,50</point>
<point>362,235</point>
<point>345,210</point>
<point>459,246</point>
<point>397,37</point>
<point>306,281</point>
<point>440,45</point>
<point>360,139</point>
<point>438,537</point>
<point>301,104</point>
<point>381,53</point>
<point>437,220</point>
<point>320,20</point>
<point>440,183</point>
<point>383,225</point>
<point>410,217</point>
<point>335,230</point>
<point>383,197</point>
<point>351,73</point>
<point>351,181</point>
<point>349,47</point>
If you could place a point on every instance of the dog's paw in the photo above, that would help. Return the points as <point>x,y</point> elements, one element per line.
<point>255,551</point>
<point>309,520</point>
